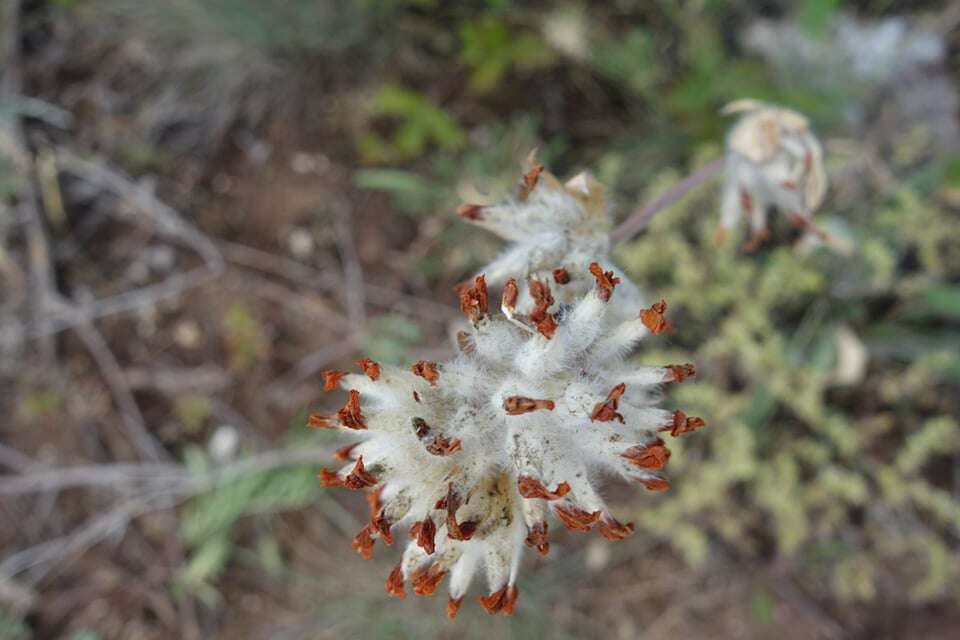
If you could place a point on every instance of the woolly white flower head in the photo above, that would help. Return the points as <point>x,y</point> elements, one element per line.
<point>772,160</point>
<point>473,454</point>
<point>557,230</point>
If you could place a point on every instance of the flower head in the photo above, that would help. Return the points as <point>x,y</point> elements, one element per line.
<point>471,456</point>
<point>772,160</point>
<point>557,230</point>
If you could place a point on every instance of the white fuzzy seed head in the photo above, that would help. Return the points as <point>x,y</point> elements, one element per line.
<point>772,160</point>
<point>472,455</point>
<point>557,230</point>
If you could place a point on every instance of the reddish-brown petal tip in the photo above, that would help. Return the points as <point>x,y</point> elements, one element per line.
<point>455,530</point>
<point>442,446</point>
<point>529,180</point>
<point>373,499</point>
<point>607,410</point>
<point>502,600</point>
<point>518,405</point>
<point>317,421</point>
<point>369,367</point>
<point>350,415</point>
<point>359,477</point>
<point>343,453</point>
<point>655,484</point>
<point>426,370</point>
<point>395,582</point>
<point>508,300</point>
<point>606,281</point>
<point>653,319</point>
<point>575,518</point>
<point>544,321</point>
<point>470,211</point>
<point>679,372</point>
<point>329,478</point>
<point>424,532</point>
<point>453,606</point>
<point>474,300</point>
<point>561,276</point>
<point>652,456</point>
<point>382,526</point>
<point>537,538</point>
<point>363,543</point>
<point>680,423</point>
<point>532,488</point>
<point>612,529</point>
<point>331,379</point>
<point>426,579</point>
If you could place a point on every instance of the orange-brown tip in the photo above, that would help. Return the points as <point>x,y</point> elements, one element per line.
<point>653,319</point>
<point>679,372</point>
<point>532,488</point>
<point>331,379</point>
<point>606,281</point>
<point>363,543</point>
<point>651,456</point>
<point>655,484</point>
<point>395,582</point>
<point>470,211</point>
<point>369,367</point>
<point>426,370</point>
<point>453,606</point>
<point>612,529</point>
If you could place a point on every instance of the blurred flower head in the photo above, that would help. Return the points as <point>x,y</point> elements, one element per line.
<point>473,455</point>
<point>772,160</point>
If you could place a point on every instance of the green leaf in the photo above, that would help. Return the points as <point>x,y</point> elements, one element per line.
<point>762,606</point>
<point>390,180</point>
<point>942,300</point>
<point>815,15</point>
<point>208,561</point>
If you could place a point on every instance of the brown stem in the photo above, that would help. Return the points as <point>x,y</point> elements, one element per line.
<point>640,218</point>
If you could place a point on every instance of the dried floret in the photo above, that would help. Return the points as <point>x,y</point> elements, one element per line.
<point>773,160</point>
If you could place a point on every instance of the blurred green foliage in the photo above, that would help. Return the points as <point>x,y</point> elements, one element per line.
<point>852,479</point>
<point>490,49</point>
<point>419,124</point>
<point>207,522</point>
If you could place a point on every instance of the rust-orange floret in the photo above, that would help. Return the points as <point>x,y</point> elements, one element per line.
<point>533,488</point>
<point>607,410</point>
<point>606,281</point>
<point>350,415</point>
<point>369,367</point>
<point>426,370</point>
<point>518,405</point>
<point>331,379</point>
<point>473,300</point>
<point>653,319</point>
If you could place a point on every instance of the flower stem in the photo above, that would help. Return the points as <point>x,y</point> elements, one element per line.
<point>640,218</point>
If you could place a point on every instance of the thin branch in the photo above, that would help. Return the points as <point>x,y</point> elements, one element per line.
<point>161,491</point>
<point>15,460</point>
<point>163,219</point>
<point>134,425</point>
<point>353,289</point>
<point>640,218</point>
<point>162,477</point>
